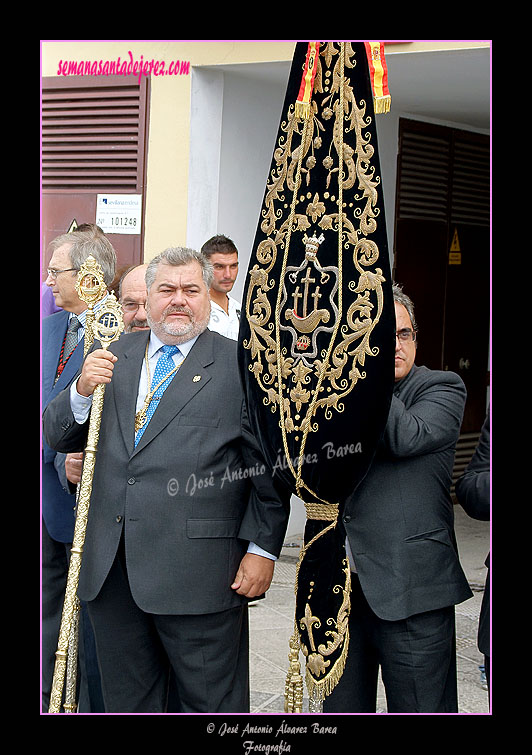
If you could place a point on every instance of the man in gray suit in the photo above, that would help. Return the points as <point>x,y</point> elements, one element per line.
<point>185,519</point>
<point>399,522</point>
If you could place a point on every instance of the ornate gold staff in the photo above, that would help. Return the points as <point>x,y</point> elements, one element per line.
<point>91,289</point>
<point>107,327</point>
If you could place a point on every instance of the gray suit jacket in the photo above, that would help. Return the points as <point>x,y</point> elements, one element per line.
<point>189,497</point>
<point>400,521</point>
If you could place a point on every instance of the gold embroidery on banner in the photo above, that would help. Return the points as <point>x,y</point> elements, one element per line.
<point>285,375</point>
<point>321,361</point>
<point>317,662</point>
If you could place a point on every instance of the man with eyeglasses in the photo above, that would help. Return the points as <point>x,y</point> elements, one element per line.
<point>62,355</point>
<point>399,522</point>
<point>132,295</point>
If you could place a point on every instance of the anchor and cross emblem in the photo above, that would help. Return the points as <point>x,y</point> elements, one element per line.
<point>313,307</point>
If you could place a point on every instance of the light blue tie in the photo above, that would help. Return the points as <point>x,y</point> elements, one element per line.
<point>164,365</point>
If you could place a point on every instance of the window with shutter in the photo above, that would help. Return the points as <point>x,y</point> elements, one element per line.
<point>442,251</point>
<point>443,174</point>
<point>424,169</point>
<point>93,134</point>
<point>470,187</point>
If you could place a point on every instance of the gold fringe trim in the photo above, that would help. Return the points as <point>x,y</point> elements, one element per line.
<point>302,110</point>
<point>319,690</point>
<point>382,104</point>
<point>293,688</point>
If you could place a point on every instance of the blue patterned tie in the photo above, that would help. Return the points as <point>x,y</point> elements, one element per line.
<point>164,365</point>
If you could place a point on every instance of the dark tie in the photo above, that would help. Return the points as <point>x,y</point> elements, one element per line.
<point>71,340</point>
<point>165,364</point>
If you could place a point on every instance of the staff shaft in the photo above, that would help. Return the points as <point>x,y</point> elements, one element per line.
<point>70,705</point>
<point>80,528</point>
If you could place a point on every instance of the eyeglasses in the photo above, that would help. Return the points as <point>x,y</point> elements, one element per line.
<point>54,273</point>
<point>406,334</point>
<point>132,306</point>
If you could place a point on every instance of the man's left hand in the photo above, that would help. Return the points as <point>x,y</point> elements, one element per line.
<point>254,575</point>
<point>74,467</point>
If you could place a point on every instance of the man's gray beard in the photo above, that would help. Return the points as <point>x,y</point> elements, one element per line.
<point>179,332</point>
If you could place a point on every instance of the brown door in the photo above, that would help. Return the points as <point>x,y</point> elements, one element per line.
<point>442,251</point>
<point>94,140</point>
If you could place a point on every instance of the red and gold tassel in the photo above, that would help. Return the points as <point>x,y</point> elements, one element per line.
<point>302,107</point>
<point>378,73</point>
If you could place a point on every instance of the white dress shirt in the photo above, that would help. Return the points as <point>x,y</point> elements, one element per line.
<point>226,324</point>
<point>81,405</point>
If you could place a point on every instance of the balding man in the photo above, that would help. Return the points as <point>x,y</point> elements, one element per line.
<point>132,295</point>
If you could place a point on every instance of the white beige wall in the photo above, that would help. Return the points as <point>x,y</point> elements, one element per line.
<point>167,176</point>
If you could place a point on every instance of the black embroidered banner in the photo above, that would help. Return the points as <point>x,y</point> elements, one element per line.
<point>317,333</point>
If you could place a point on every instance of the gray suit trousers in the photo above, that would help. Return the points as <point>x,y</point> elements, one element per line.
<point>208,654</point>
<point>417,657</point>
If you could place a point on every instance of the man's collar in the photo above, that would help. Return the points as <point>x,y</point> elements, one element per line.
<point>83,315</point>
<point>399,384</point>
<point>155,344</point>
<point>232,304</point>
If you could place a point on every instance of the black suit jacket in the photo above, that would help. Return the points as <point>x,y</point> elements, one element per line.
<point>189,497</point>
<point>400,521</point>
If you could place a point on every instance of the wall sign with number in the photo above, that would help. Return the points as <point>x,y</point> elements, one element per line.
<point>119,213</point>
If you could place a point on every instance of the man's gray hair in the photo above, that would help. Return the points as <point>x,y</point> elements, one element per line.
<point>180,255</point>
<point>85,243</point>
<point>401,298</point>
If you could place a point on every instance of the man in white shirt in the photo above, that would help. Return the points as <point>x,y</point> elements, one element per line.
<point>225,310</point>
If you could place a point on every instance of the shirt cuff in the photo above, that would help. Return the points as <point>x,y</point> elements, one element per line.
<point>252,548</point>
<point>80,405</point>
